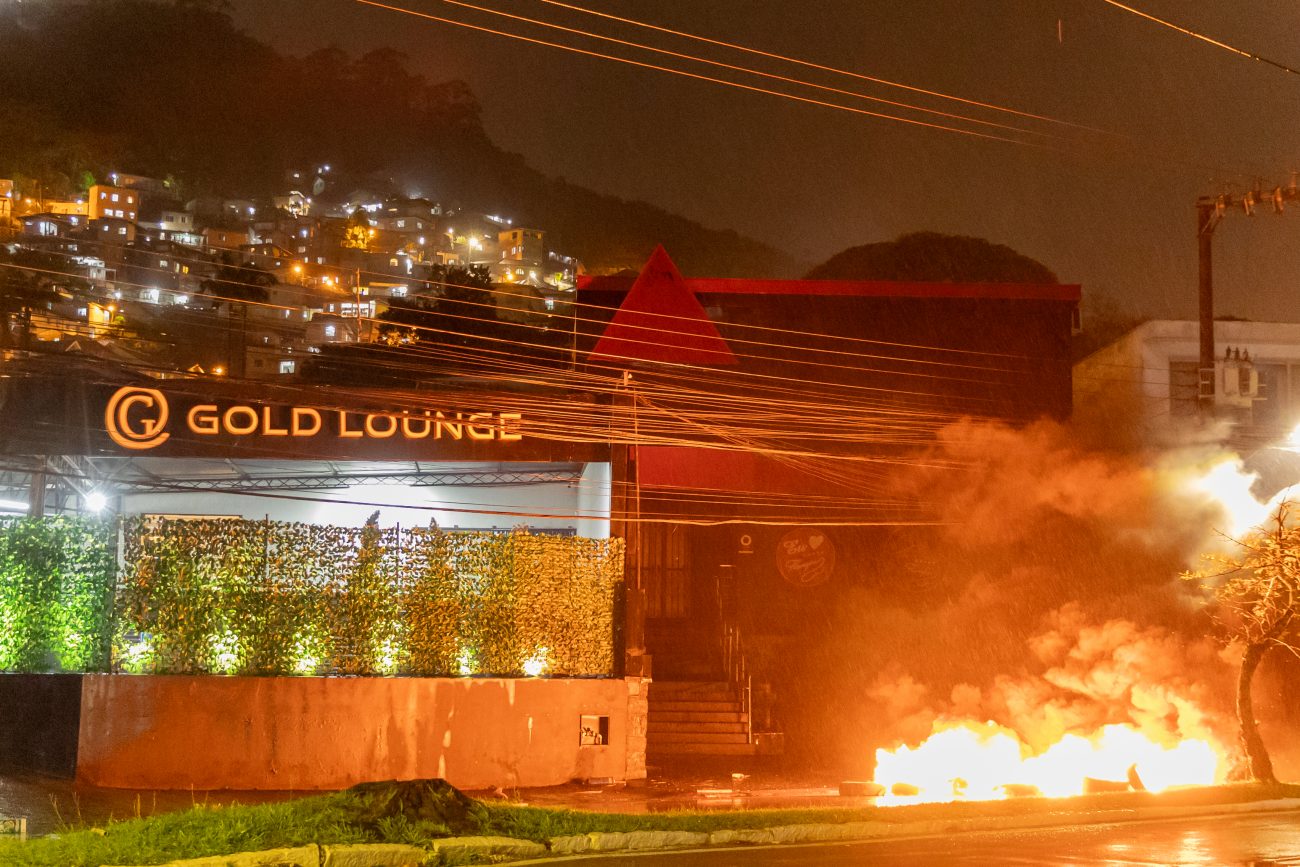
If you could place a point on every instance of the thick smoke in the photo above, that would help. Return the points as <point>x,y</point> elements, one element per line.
<point>1050,602</point>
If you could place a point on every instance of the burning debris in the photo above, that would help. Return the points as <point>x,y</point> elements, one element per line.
<point>984,761</point>
<point>1062,654</point>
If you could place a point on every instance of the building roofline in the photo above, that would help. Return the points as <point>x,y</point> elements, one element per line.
<point>852,288</point>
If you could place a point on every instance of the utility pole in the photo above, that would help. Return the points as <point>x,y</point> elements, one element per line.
<point>1210,210</point>
<point>1208,214</point>
<point>356,297</point>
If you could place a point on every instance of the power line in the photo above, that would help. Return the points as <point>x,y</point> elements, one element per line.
<point>825,68</point>
<point>744,69</point>
<point>699,77</point>
<point>1186,31</point>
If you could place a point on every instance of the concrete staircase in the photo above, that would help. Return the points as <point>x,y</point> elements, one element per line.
<point>696,718</point>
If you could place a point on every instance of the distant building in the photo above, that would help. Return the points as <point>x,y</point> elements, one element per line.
<point>171,222</point>
<point>113,202</point>
<point>294,203</point>
<point>523,257</point>
<point>225,239</point>
<point>6,203</point>
<point>80,207</point>
<point>49,224</point>
<point>139,183</point>
<point>1152,378</point>
<point>113,230</point>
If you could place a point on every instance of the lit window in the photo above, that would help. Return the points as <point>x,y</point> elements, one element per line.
<point>122,231</point>
<point>401,224</point>
<point>287,366</point>
<point>115,197</point>
<point>330,330</point>
<point>103,196</point>
<point>130,200</point>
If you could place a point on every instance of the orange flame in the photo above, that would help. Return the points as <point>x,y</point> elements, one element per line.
<point>983,762</point>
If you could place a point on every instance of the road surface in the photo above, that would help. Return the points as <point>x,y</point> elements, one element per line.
<point>1249,840</point>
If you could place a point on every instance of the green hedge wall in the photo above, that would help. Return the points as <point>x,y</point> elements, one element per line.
<point>56,594</point>
<point>270,598</point>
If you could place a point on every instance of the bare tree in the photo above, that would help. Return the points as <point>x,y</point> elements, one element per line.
<point>1258,596</point>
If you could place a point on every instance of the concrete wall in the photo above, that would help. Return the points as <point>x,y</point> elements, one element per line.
<point>208,732</point>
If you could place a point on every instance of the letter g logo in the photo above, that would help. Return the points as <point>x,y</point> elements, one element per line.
<point>138,430</point>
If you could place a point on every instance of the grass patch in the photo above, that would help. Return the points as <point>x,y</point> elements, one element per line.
<point>193,833</point>
<point>415,813</point>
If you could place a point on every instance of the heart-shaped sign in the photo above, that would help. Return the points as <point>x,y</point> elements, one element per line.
<point>815,540</point>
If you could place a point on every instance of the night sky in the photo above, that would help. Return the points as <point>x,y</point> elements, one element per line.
<point>1118,218</point>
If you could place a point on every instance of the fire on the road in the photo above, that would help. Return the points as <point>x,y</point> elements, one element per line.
<point>982,761</point>
<point>972,760</point>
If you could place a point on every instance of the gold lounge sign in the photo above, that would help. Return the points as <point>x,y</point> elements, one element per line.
<point>138,418</point>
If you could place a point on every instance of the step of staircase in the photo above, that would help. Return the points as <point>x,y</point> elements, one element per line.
<point>697,718</point>
<point>673,749</point>
<point>658,726</point>
<point>697,738</point>
<point>695,706</point>
<point>667,716</point>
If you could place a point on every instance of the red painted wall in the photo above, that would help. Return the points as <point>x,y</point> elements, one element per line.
<point>209,732</point>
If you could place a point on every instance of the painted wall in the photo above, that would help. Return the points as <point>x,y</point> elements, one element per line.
<point>594,494</point>
<point>208,732</point>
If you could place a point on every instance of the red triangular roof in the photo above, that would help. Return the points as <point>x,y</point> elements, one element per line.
<point>660,319</point>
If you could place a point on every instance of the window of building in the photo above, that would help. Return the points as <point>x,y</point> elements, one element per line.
<point>287,366</point>
<point>115,197</point>
<point>330,330</point>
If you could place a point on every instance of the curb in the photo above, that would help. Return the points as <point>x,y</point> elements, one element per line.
<point>633,841</point>
<point>372,854</point>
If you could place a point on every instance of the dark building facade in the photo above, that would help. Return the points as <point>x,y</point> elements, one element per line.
<point>803,398</point>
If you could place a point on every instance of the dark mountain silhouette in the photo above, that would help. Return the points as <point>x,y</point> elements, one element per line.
<point>932,257</point>
<point>175,90</point>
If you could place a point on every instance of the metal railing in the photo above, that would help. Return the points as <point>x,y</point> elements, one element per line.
<point>735,666</point>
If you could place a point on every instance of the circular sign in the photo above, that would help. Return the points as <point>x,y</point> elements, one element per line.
<point>805,557</point>
<point>137,430</point>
